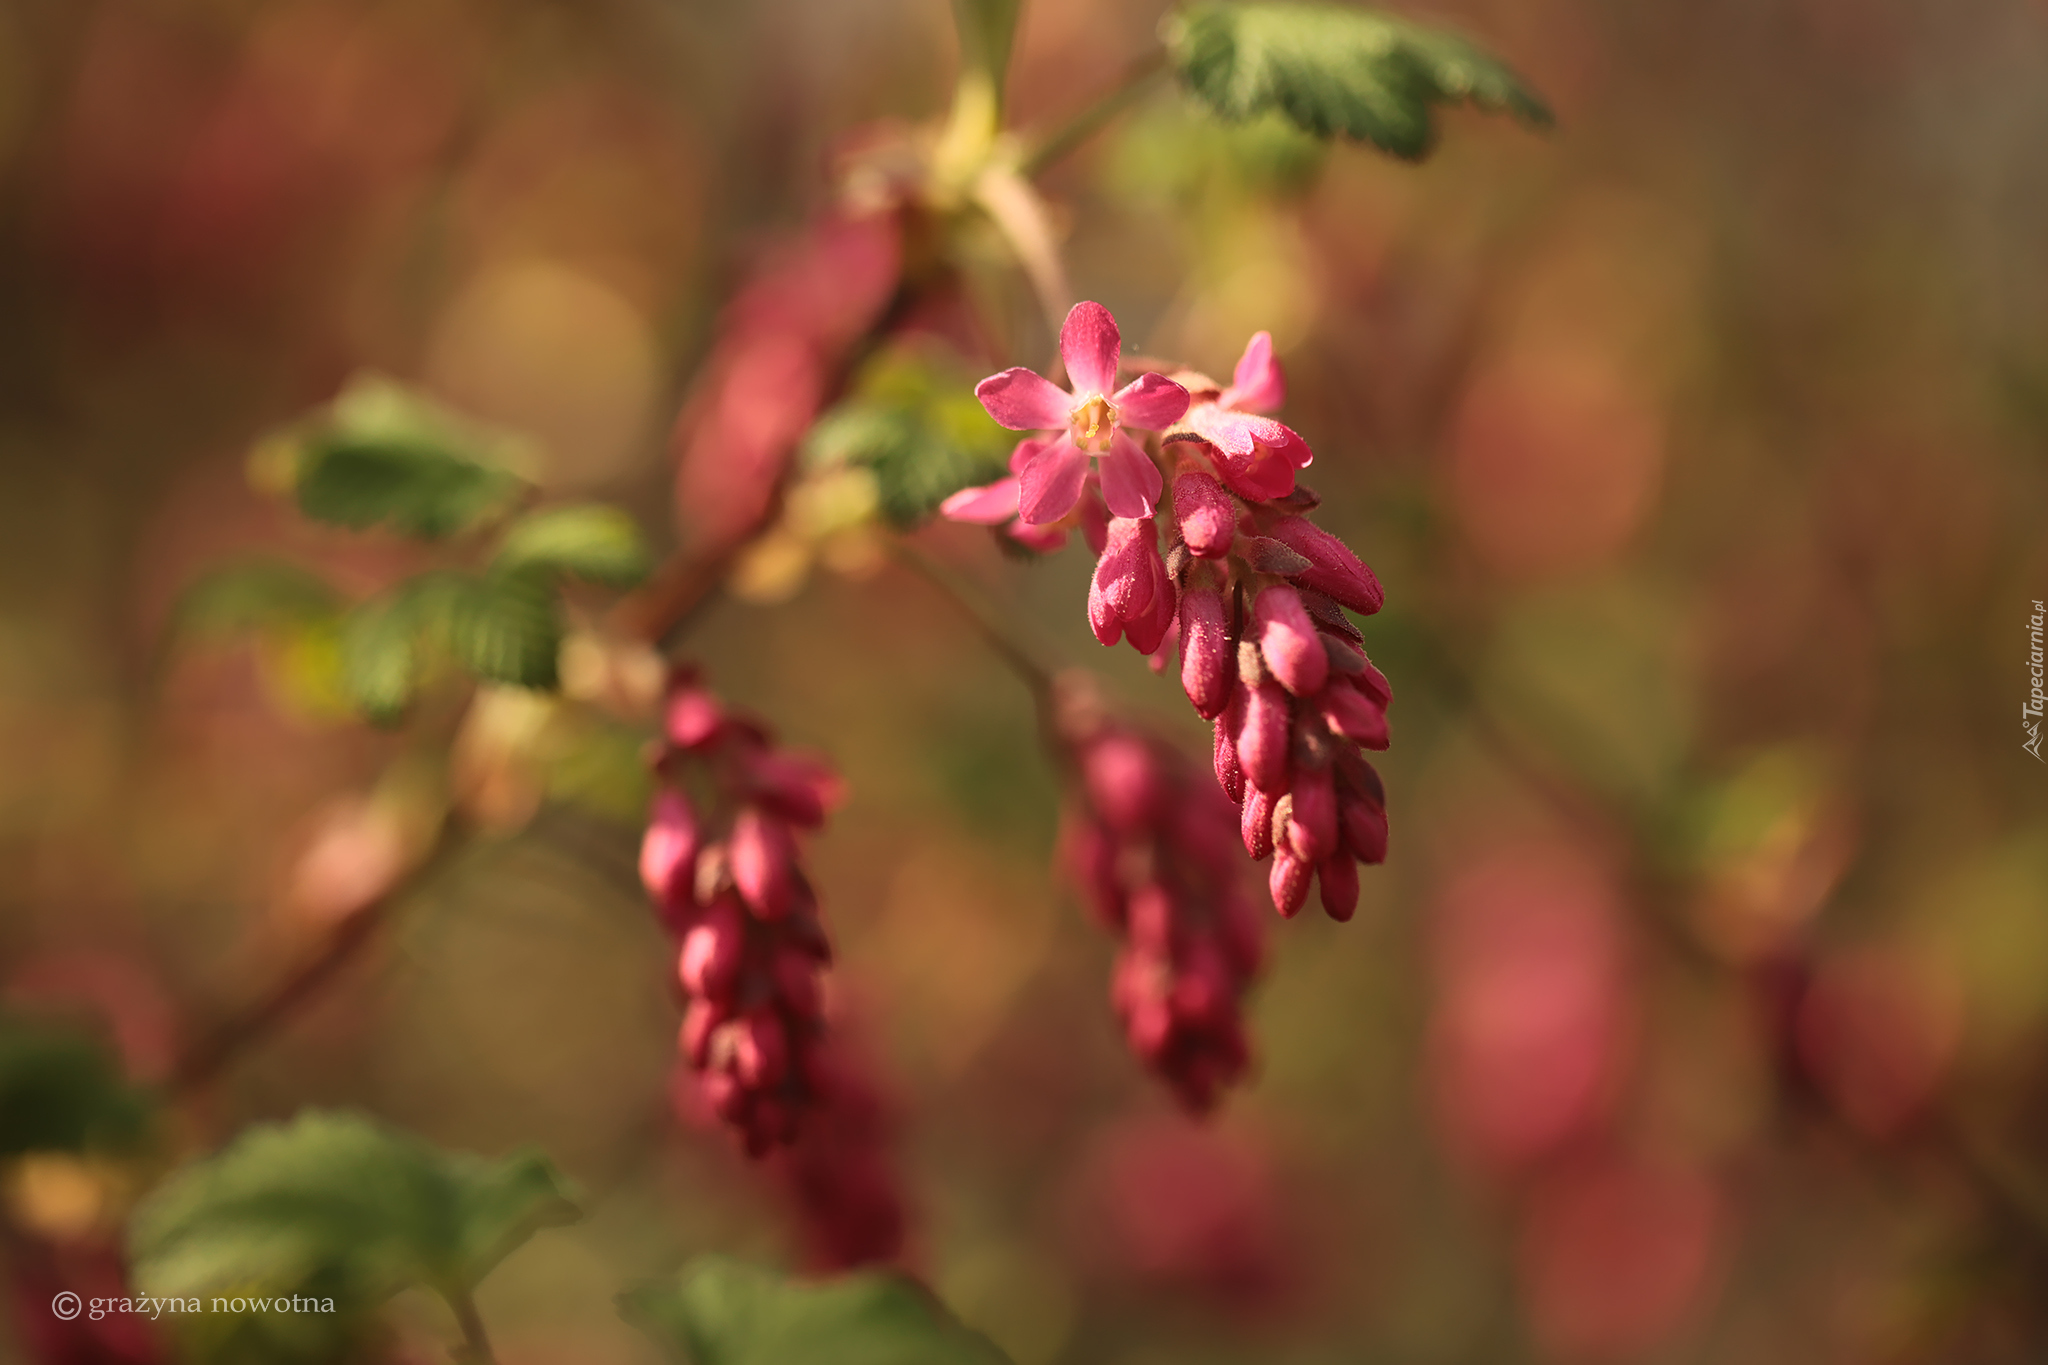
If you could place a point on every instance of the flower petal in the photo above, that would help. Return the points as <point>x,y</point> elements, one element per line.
<point>989,505</point>
<point>1258,385</point>
<point>1151,401</point>
<point>1091,347</point>
<point>1024,401</point>
<point>1026,449</point>
<point>1131,483</point>
<point>1044,539</point>
<point>1051,484</point>
<point>1232,433</point>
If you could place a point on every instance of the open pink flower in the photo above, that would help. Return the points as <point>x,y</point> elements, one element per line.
<point>1089,422</point>
<point>1256,455</point>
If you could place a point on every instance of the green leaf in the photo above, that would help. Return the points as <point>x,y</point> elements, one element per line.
<point>258,597</point>
<point>342,1202</point>
<point>919,429</point>
<point>384,455</point>
<point>387,642</point>
<point>62,1092</point>
<point>724,1312</point>
<point>504,627</point>
<point>593,542</point>
<point>1360,73</point>
<point>507,628</point>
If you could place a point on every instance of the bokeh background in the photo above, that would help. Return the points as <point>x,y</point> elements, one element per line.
<point>1697,1013</point>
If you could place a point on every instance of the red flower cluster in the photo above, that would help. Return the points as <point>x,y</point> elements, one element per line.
<point>1147,840</point>
<point>720,859</point>
<point>1252,589</point>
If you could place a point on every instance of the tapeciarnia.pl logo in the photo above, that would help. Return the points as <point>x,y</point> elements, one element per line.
<point>2030,713</point>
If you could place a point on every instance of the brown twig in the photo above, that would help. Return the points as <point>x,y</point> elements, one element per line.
<point>214,1053</point>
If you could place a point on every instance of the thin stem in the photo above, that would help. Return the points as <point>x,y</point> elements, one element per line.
<point>226,1044</point>
<point>1035,676</point>
<point>476,1343</point>
<point>1137,80</point>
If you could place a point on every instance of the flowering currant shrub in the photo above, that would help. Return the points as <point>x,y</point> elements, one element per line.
<point>514,642</point>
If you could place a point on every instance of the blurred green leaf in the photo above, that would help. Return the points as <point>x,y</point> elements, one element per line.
<point>387,642</point>
<point>590,541</point>
<point>1363,74</point>
<point>62,1092</point>
<point>382,454</point>
<point>344,1203</point>
<point>507,628</point>
<point>918,428</point>
<point>724,1312</point>
<point>260,597</point>
<point>503,627</point>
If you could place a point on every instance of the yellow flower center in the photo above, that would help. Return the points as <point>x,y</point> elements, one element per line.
<point>1094,424</point>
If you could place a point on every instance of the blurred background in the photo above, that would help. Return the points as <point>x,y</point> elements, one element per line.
<point>1698,1012</point>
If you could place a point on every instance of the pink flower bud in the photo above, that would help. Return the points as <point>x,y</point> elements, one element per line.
<point>1262,745</point>
<point>799,790</point>
<point>668,851</point>
<point>1288,640</point>
<point>1150,1029</point>
<point>1152,921</point>
<point>694,1040</point>
<point>1312,823</point>
<point>1205,993</point>
<point>1256,824</point>
<point>724,1093</point>
<point>1206,658</point>
<point>710,961</point>
<point>1124,583</point>
<point>763,863</point>
<point>1365,828</point>
<point>1335,570</point>
<point>760,1050</point>
<point>1088,851</point>
<point>1338,878</point>
<point>1353,715</point>
<point>1122,780</point>
<point>1147,630</point>
<point>1208,517</point>
<point>1288,883</point>
<point>1229,775</point>
<point>693,717</point>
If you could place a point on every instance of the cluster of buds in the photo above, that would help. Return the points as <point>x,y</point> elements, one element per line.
<point>1147,841</point>
<point>840,1173</point>
<point>720,860</point>
<point>1252,591</point>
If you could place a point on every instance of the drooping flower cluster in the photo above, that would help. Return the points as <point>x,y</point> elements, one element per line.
<point>1254,592</point>
<point>1147,841</point>
<point>720,859</point>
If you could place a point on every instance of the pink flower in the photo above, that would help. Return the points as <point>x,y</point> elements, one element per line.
<point>1088,422</point>
<point>1256,455</point>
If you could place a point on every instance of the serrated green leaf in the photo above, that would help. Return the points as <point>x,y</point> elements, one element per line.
<point>591,541</point>
<point>721,1311</point>
<point>344,1203</point>
<point>384,455</point>
<point>260,596</point>
<point>508,628</point>
<point>1333,71</point>
<point>61,1092</point>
